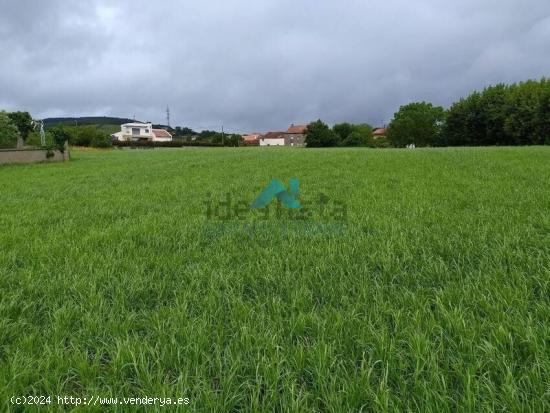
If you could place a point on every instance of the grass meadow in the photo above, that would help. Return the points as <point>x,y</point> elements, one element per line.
<point>431,293</point>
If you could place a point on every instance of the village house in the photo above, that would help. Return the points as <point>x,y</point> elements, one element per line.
<point>273,139</point>
<point>379,133</point>
<point>138,131</point>
<point>252,139</point>
<point>294,136</point>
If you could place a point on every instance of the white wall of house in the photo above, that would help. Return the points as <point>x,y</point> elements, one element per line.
<point>135,131</point>
<point>272,142</point>
<point>119,136</point>
<point>158,139</point>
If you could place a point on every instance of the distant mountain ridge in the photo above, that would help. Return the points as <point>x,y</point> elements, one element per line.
<point>86,120</point>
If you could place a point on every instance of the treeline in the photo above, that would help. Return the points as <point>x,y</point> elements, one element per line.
<point>516,114</point>
<point>92,136</point>
<point>319,134</point>
<point>188,135</point>
<point>14,126</point>
<point>170,144</point>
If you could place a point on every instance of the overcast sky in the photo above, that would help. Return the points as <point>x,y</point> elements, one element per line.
<point>259,65</point>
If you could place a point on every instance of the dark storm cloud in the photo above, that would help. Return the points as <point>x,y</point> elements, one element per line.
<point>260,65</point>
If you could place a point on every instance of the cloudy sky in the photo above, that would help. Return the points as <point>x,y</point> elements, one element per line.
<point>258,65</point>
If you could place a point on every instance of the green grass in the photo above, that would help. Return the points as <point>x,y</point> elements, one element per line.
<point>435,297</point>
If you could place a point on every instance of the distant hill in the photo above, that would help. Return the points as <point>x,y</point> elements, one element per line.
<point>86,120</point>
<point>107,124</point>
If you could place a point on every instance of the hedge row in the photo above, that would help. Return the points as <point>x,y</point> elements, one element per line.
<point>170,144</point>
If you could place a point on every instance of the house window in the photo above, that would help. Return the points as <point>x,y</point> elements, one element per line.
<point>135,131</point>
<point>146,130</point>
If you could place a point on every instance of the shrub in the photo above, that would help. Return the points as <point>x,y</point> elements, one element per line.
<point>318,134</point>
<point>34,139</point>
<point>101,141</point>
<point>381,142</point>
<point>170,144</point>
<point>23,121</point>
<point>360,135</point>
<point>343,130</point>
<point>60,136</point>
<point>8,132</point>
<point>355,139</point>
<point>84,136</point>
<point>419,123</point>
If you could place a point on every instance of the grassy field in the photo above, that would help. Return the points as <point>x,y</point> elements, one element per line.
<point>431,294</point>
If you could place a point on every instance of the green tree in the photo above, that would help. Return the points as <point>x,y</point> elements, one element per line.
<point>86,136</point>
<point>61,134</point>
<point>34,139</point>
<point>207,135</point>
<point>355,139</point>
<point>353,135</point>
<point>184,131</point>
<point>343,130</point>
<point>23,121</point>
<point>101,140</point>
<point>228,139</point>
<point>318,134</point>
<point>419,123</point>
<point>456,132</point>
<point>517,114</point>
<point>233,140</point>
<point>8,131</point>
<point>528,117</point>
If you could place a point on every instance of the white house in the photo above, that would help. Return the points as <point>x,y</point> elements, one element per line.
<point>138,131</point>
<point>273,139</point>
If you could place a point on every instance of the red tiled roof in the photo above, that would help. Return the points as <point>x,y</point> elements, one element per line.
<point>251,138</point>
<point>273,135</point>
<point>379,132</point>
<point>297,129</point>
<point>161,133</point>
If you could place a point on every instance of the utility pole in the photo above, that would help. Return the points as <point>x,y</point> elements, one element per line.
<point>168,116</point>
<point>223,137</point>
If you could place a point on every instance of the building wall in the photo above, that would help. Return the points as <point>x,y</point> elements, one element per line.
<point>295,139</point>
<point>31,155</point>
<point>272,142</point>
<point>145,131</point>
